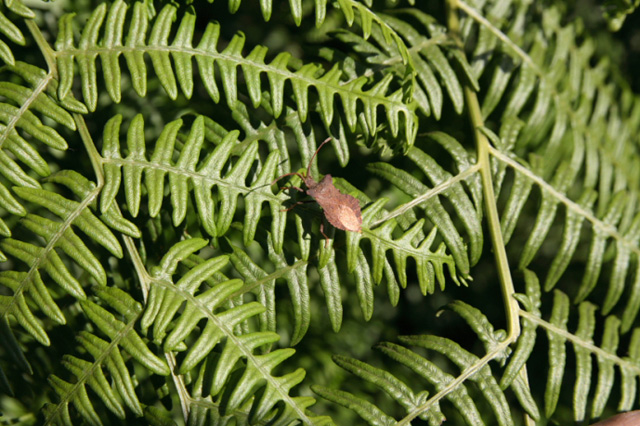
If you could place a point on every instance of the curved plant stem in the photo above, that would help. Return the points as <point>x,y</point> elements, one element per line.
<point>92,152</point>
<point>429,194</point>
<point>482,144</point>
<point>145,281</point>
<point>45,47</point>
<point>49,57</point>
<point>459,4</point>
<point>506,283</point>
<point>454,384</point>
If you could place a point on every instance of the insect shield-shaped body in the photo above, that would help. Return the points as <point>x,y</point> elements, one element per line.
<point>340,210</point>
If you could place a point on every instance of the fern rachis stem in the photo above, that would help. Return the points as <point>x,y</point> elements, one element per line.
<point>490,203</point>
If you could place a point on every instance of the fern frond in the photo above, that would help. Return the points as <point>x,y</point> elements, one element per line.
<point>579,99</point>
<point>107,355</point>
<point>456,391</point>
<point>327,84</point>
<point>368,19</point>
<point>29,285</point>
<point>579,160</point>
<point>586,394</point>
<point>617,227</point>
<point>13,33</point>
<point>396,388</point>
<point>20,126</point>
<point>428,56</point>
<point>466,206</point>
<point>275,135</point>
<point>582,339</point>
<point>191,174</point>
<point>19,8</point>
<point>165,300</point>
<point>21,117</point>
<point>16,114</point>
<point>432,56</point>
<point>366,410</point>
<point>460,393</point>
<point>411,243</point>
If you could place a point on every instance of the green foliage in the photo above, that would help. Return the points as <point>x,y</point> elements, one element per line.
<point>151,272</point>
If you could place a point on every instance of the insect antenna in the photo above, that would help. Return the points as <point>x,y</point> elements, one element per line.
<point>316,153</point>
<point>285,175</point>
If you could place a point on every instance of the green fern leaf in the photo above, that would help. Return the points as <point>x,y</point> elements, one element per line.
<point>298,284</point>
<point>347,7</point>
<point>18,308</point>
<point>526,341</point>
<point>115,364</point>
<point>36,77</point>
<point>206,54</point>
<point>17,112</point>
<point>69,242</point>
<point>98,383</point>
<point>464,359</point>
<point>433,209</point>
<point>427,57</point>
<point>19,8</point>
<point>158,416</point>
<point>391,385</point>
<point>419,404</point>
<point>163,305</point>
<point>584,348</point>
<point>459,397</point>
<point>366,410</point>
<point>204,175</point>
<point>564,103</point>
<point>13,33</point>
<point>65,208</point>
<point>79,398</point>
<point>17,119</point>
<point>164,301</point>
<point>430,266</point>
<point>92,374</point>
<point>260,283</point>
<point>367,18</point>
<point>130,341</point>
<point>57,234</point>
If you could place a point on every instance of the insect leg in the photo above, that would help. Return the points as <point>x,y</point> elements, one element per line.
<point>287,174</point>
<point>282,188</point>
<point>297,203</point>
<point>326,239</point>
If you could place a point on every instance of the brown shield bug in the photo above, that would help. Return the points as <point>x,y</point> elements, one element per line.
<point>341,210</point>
